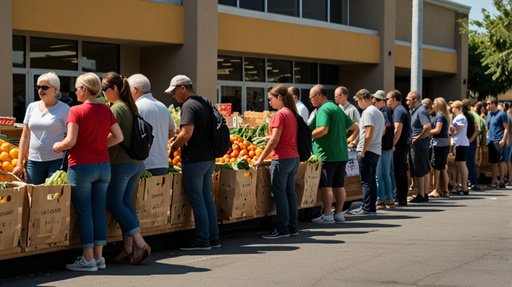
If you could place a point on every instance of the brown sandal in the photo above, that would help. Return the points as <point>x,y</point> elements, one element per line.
<point>123,256</point>
<point>139,254</point>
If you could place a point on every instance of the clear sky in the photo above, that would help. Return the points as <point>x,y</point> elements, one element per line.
<point>476,7</point>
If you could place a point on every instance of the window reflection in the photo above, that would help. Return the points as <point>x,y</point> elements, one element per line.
<point>228,2</point>
<point>255,99</point>
<point>232,95</point>
<point>306,73</point>
<point>254,69</point>
<point>18,51</point>
<point>336,11</point>
<point>257,5</point>
<point>314,9</point>
<point>284,7</point>
<point>329,74</point>
<point>100,57</point>
<point>279,71</point>
<point>229,68</point>
<point>46,53</point>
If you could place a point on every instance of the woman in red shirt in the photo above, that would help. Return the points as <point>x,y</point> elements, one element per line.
<point>282,147</point>
<point>91,130</point>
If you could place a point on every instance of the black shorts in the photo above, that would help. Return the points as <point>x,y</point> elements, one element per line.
<point>460,153</point>
<point>333,174</point>
<point>418,159</point>
<point>440,157</point>
<point>495,152</point>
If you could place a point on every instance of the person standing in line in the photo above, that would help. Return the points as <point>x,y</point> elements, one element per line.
<point>473,132</point>
<point>157,114</point>
<point>301,108</point>
<point>285,162</point>
<point>125,171</point>
<point>44,124</point>
<point>91,130</point>
<point>341,95</point>
<point>401,144</point>
<point>420,127</point>
<point>441,147</point>
<point>497,133</point>
<point>385,198</point>
<point>329,127</point>
<point>458,128</point>
<point>198,161</point>
<point>369,148</point>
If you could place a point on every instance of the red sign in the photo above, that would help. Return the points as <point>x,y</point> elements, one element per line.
<point>225,109</point>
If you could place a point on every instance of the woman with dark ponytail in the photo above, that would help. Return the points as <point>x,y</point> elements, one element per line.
<point>125,171</point>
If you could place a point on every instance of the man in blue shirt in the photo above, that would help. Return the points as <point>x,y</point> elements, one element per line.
<point>497,123</point>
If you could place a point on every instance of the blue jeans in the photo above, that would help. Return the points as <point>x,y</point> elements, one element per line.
<point>282,179</point>
<point>39,171</point>
<point>158,171</point>
<point>125,178</point>
<point>367,171</point>
<point>197,180</point>
<point>470,163</point>
<point>384,173</point>
<point>89,183</point>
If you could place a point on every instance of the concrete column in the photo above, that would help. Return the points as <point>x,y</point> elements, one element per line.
<point>417,46</point>
<point>6,57</point>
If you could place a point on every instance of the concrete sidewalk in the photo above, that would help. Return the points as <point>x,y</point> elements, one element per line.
<point>461,241</point>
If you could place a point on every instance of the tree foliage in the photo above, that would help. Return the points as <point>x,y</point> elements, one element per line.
<point>494,45</point>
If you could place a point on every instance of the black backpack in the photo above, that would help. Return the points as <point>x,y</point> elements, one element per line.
<point>142,139</point>
<point>219,136</point>
<point>304,139</point>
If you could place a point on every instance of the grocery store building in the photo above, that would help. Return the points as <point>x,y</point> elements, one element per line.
<point>232,49</point>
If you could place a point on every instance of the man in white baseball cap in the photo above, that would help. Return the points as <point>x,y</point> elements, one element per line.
<point>178,80</point>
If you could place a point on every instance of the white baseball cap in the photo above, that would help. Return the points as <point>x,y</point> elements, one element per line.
<point>178,81</point>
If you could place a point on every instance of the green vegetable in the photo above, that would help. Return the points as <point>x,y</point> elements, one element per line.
<point>313,159</point>
<point>241,164</point>
<point>174,169</point>
<point>60,177</point>
<point>219,166</point>
<point>4,185</point>
<point>146,174</point>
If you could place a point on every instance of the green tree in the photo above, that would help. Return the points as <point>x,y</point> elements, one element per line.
<point>495,44</point>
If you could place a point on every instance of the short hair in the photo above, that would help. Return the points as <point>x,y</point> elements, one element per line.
<point>395,94</point>
<point>492,100</point>
<point>321,89</point>
<point>52,78</point>
<point>294,91</point>
<point>343,90</point>
<point>363,94</point>
<point>91,82</point>
<point>140,82</point>
<point>415,94</point>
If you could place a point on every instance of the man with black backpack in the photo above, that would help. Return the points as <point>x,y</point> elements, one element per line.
<point>198,160</point>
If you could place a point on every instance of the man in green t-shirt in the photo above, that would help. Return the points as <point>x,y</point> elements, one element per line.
<point>329,126</point>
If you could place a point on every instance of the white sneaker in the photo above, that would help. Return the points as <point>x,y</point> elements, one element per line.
<point>324,219</point>
<point>101,263</point>
<point>82,265</point>
<point>339,217</point>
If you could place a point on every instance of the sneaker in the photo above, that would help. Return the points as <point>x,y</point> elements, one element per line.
<point>418,199</point>
<point>390,203</point>
<point>502,186</point>
<point>82,265</point>
<point>101,263</point>
<point>361,211</point>
<point>294,233</point>
<point>339,217</point>
<point>475,187</point>
<point>323,219</point>
<point>196,246</point>
<point>275,235</point>
<point>215,244</point>
<point>380,205</point>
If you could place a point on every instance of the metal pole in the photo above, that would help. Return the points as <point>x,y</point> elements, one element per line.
<point>417,46</point>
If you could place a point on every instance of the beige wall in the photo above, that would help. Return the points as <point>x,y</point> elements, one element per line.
<point>129,60</point>
<point>6,57</point>
<point>403,20</point>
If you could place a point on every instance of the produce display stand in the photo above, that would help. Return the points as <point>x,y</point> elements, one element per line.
<point>236,198</point>
<point>264,203</point>
<point>306,184</point>
<point>182,217</point>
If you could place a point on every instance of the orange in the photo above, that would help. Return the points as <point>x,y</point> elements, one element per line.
<point>234,154</point>
<point>235,147</point>
<point>232,160</point>
<point>6,147</point>
<point>7,166</point>
<point>4,156</point>
<point>252,153</point>
<point>221,160</point>
<point>14,152</point>
<point>226,157</point>
<point>258,151</point>
<point>247,143</point>
<point>14,162</point>
<point>243,152</point>
<point>2,141</point>
<point>176,160</point>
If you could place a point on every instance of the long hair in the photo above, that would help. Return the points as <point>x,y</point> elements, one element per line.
<point>125,95</point>
<point>286,98</point>
<point>442,108</point>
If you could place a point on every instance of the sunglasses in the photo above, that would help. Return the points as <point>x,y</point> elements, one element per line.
<point>44,88</point>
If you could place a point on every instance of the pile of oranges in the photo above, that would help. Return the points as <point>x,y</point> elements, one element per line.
<point>175,157</point>
<point>240,148</point>
<point>8,156</point>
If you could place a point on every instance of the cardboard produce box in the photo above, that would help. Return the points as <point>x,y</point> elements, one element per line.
<point>46,221</point>
<point>306,184</point>
<point>12,201</point>
<point>154,202</point>
<point>237,194</point>
<point>182,216</point>
<point>264,202</point>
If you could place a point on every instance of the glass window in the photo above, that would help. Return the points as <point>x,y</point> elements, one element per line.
<point>19,97</point>
<point>306,73</point>
<point>100,57</point>
<point>314,9</point>
<point>18,51</point>
<point>56,54</point>
<point>228,2</point>
<point>257,5</point>
<point>254,69</point>
<point>284,7</point>
<point>232,95</point>
<point>329,74</point>
<point>255,99</point>
<point>336,11</point>
<point>229,68</point>
<point>279,71</point>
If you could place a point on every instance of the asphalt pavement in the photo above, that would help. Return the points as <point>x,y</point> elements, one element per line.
<point>460,241</point>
